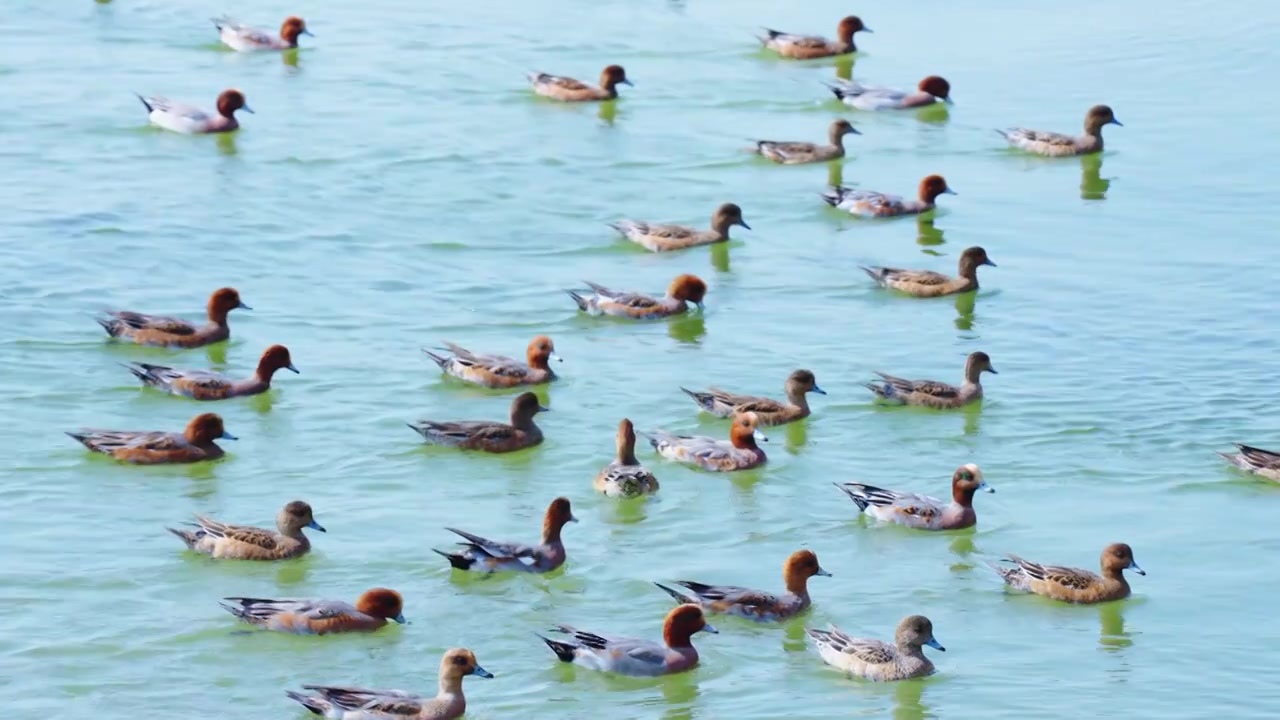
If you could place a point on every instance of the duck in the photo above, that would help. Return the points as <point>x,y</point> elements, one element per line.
<point>798,153</point>
<point>1052,144</point>
<point>194,444</point>
<point>161,331</point>
<point>244,38</point>
<point>871,204</point>
<point>352,703</point>
<point>372,610</point>
<point>922,511</point>
<point>1255,461</point>
<point>633,656</point>
<point>768,412</point>
<point>500,371</point>
<point>684,289</point>
<point>808,47</point>
<point>756,604</point>
<point>210,385</point>
<point>877,660</point>
<point>487,435</point>
<point>740,452</point>
<point>242,542</point>
<point>567,89</point>
<point>486,556</point>
<point>926,283</point>
<point>665,238</point>
<point>192,120</point>
<point>931,90</point>
<point>1073,585</point>
<point>625,476</point>
<point>934,394</point>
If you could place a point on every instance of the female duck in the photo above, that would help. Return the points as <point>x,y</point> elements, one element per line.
<point>320,617</point>
<point>242,542</point>
<point>871,204</point>
<point>567,89</point>
<point>797,153</point>
<point>487,556</point>
<point>485,435</point>
<point>934,394</point>
<point>193,444</point>
<point>1255,461</point>
<point>632,656</point>
<point>663,238</point>
<point>1059,144</point>
<point>625,476</point>
<point>740,452</point>
<point>683,290</point>
<point>160,331</point>
<point>1074,585</point>
<point>926,283</point>
<point>922,511</point>
<point>192,120</point>
<point>877,660</point>
<point>768,412</point>
<point>210,385</point>
<point>351,703</point>
<point>499,371</point>
<point>807,47</point>
<point>245,38</point>
<point>757,604</point>
<point>930,90</point>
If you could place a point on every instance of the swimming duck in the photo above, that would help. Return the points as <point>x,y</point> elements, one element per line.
<point>796,153</point>
<point>877,660</point>
<point>683,290</point>
<point>351,703</point>
<point>1256,461</point>
<point>210,385</point>
<point>242,542</point>
<point>922,511</point>
<point>868,203</point>
<point>625,476</point>
<point>499,371</point>
<point>244,38</point>
<point>632,656</point>
<point>926,283</point>
<point>757,604</point>
<point>569,90</point>
<point>768,412</point>
<point>160,331</point>
<point>485,435</point>
<point>806,47</point>
<point>1074,585</point>
<point>194,444</point>
<point>738,453</point>
<point>484,555</point>
<point>192,120</point>
<point>934,394</point>
<point>1059,144</point>
<point>320,617</point>
<point>662,238</point>
<point>930,90</point>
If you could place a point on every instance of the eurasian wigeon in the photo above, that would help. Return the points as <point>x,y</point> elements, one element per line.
<point>683,290</point>
<point>210,385</point>
<point>768,412</point>
<point>192,120</point>
<point>739,452</point>
<point>625,476</point>
<point>194,444</point>
<point>499,371</point>
<point>662,238</point>
<point>1255,461</point>
<point>931,90</point>
<point>487,556</point>
<point>1074,585</point>
<point>487,435</point>
<point>868,203</point>
<point>797,153</point>
<point>1059,144</point>
<point>934,394</point>
<point>160,331</point>
<point>926,283</point>
<point>242,542</point>
<point>807,47</point>
<point>239,36</point>
<point>877,660</point>
<point>320,617</point>
<point>633,656</point>
<point>922,511</point>
<point>757,604</point>
<point>569,90</point>
<point>351,703</point>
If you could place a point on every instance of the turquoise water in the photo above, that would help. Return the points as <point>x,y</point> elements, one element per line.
<point>399,185</point>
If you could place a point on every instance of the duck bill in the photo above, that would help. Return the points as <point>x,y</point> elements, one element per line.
<point>316,526</point>
<point>983,486</point>
<point>1134,567</point>
<point>400,619</point>
<point>988,262</point>
<point>759,436</point>
<point>481,672</point>
<point>949,191</point>
<point>744,224</point>
<point>627,82</point>
<point>709,628</point>
<point>1116,122</point>
<point>555,357</point>
<point>543,408</point>
<point>822,573</point>
<point>249,110</point>
<point>819,390</point>
<point>242,306</point>
<point>935,645</point>
<point>227,436</point>
<point>294,369</point>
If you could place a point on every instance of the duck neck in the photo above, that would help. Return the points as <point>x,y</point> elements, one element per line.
<point>835,136</point>
<point>962,496</point>
<point>451,689</point>
<point>744,441</point>
<point>798,397</point>
<point>551,531</point>
<point>972,373</point>
<point>627,451</point>
<point>798,584</point>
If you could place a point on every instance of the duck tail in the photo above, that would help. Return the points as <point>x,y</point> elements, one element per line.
<point>582,302</point>
<point>457,560</point>
<point>875,273</point>
<point>111,325</point>
<point>679,596</point>
<point>831,196</point>
<point>884,390</point>
<point>140,371</point>
<point>1002,133</point>
<point>319,706</point>
<point>563,650</point>
<point>838,91</point>
<point>439,359</point>
<point>81,438</point>
<point>187,536</point>
<point>150,109</point>
<point>857,498</point>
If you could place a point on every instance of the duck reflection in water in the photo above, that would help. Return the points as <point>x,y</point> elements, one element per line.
<point>927,235</point>
<point>720,257</point>
<point>908,698</point>
<point>965,304</point>
<point>844,66</point>
<point>835,173</point>
<point>608,112</point>
<point>1092,185</point>
<point>797,436</point>
<point>688,328</point>
<point>1113,636</point>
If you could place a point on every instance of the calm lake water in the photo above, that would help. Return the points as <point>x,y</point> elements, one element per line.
<point>400,185</point>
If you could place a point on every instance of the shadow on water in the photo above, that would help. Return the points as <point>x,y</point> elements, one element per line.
<point>928,235</point>
<point>1113,636</point>
<point>1092,185</point>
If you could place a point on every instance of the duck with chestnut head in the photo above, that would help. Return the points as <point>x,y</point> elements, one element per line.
<point>926,283</point>
<point>1074,585</point>
<point>211,385</point>
<point>756,605</point>
<point>246,38</point>
<point>1051,144</point>
<point>488,435</point>
<point>499,371</point>
<point>931,90</point>
<point>163,331</point>
<point>567,89</point>
<point>488,556</point>
<point>739,452</point>
<point>353,703</point>
<point>808,47</point>
<point>876,660</point>
<point>872,204</point>
<point>935,394</point>
<point>663,238</point>
<point>371,611</point>
<point>194,444</point>
<point>634,656</point>
<point>243,542</point>
<point>601,300</point>
<point>922,511</point>
<point>193,120</point>
<point>768,412</point>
